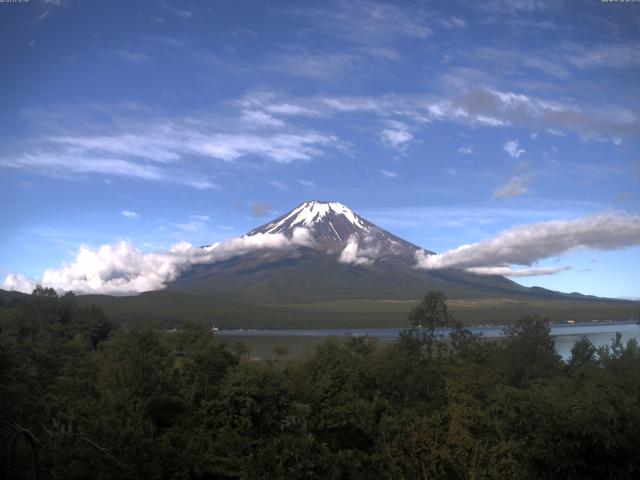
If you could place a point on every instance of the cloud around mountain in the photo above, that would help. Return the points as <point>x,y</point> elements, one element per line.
<point>356,255</point>
<point>526,244</point>
<point>124,269</point>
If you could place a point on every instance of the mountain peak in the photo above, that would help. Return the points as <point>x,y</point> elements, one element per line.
<point>333,225</point>
<point>315,214</point>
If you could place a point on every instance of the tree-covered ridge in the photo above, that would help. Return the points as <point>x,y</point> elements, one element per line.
<point>134,402</point>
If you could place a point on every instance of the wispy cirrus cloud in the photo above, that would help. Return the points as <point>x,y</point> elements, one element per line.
<point>388,173</point>
<point>560,60</point>
<point>179,12</point>
<point>518,6</point>
<point>471,105</point>
<point>306,183</point>
<point>72,163</point>
<point>170,143</point>
<point>131,57</point>
<point>259,119</point>
<point>370,27</point>
<point>600,55</point>
<point>169,150</point>
<point>324,66</point>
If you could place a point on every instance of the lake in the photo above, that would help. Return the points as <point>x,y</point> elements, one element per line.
<point>297,341</point>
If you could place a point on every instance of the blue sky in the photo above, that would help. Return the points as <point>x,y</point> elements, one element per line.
<point>443,122</point>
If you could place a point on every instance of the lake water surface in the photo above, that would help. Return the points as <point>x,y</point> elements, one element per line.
<point>565,335</point>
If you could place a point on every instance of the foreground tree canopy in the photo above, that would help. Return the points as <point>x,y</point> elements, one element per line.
<point>81,399</point>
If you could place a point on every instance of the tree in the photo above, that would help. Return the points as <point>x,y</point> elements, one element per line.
<point>583,353</point>
<point>529,351</point>
<point>44,292</point>
<point>96,325</point>
<point>431,313</point>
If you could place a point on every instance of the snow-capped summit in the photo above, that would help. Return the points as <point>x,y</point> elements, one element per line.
<point>333,225</point>
<point>312,213</point>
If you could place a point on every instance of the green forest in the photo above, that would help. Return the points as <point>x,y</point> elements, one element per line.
<point>83,398</point>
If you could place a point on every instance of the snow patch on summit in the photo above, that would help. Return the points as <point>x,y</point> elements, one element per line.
<point>311,213</point>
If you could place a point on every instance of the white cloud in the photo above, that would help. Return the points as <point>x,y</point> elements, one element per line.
<point>521,272</point>
<point>129,214</point>
<point>122,268</point>
<point>192,226</point>
<point>465,150</point>
<point>325,66</point>
<point>453,22</point>
<point>258,119</point>
<point>512,147</point>
<point>180,12</point>
<point>353,104</point>
<point>268,101</point>
<point>355,255</point>
<point>61,163</point>
<point>202,218</point>
<point>388,173</point>
<point>157,144</point>
<point>525,244</point>
<point>555,132</point>
<point>19,283</point>
<point>280,148</point>
<point>289,109</point>
<point>396,136</point>
<point>275,183</point>
<point>516,186</point>
<point>490,121</point>
<point>133,58</point>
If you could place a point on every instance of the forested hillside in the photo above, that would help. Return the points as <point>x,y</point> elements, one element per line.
<point>93,401</point>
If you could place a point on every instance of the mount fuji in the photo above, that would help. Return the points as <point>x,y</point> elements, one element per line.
<point>347,258</point>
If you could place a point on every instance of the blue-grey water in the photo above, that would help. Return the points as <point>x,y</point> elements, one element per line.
<point>564,335</point>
